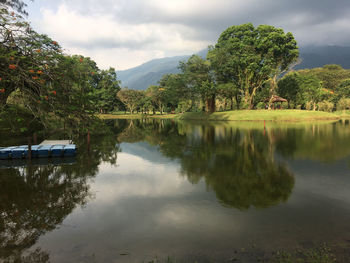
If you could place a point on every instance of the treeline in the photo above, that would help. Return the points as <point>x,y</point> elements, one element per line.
<point>248,68</point>
<point>37,76</point>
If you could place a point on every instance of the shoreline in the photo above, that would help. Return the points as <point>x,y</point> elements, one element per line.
<point>240,115</point>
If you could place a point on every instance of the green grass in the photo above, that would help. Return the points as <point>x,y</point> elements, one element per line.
<point>240,115</point>
<point>261,115</point>
<point>135,116</point>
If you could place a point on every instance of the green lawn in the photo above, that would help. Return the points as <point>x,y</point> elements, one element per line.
<point>135,116</point>
<point>240,115</point>
<point>261,115</point>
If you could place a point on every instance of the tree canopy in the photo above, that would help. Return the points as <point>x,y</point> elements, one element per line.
<point>248,56</point>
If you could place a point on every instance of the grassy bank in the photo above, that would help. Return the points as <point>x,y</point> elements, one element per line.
<point>261,115</point>
<point>240,115</point>
<point>136,116</point>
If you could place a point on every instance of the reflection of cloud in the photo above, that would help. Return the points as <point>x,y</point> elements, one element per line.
<point>136,177</point>
<point>329,181</point>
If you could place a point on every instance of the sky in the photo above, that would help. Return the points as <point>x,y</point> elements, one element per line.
<point>126,33</point>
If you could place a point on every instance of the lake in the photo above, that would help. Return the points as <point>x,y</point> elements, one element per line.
<point>188,191</point>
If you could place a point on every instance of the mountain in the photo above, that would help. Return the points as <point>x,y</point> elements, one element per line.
<point>149,73</point>
<point>318,56</point>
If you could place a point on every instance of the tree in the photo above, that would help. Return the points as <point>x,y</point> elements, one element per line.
<point>48,84</point>
<point>289,88</point>
<point>312,89</point>
<point>173,89</point>
<point>248,57</point>
<point>17,5</point>
<point>130,98</point>
<point>229,91</point>
<point>197,75</point>
<point>106,90</point>
<point>158,96</point>
<point>343,90</point>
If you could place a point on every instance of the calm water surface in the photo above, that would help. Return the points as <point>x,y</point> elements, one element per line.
<point>191,191</point>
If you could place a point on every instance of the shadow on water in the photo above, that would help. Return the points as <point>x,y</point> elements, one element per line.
<point>37,196</point>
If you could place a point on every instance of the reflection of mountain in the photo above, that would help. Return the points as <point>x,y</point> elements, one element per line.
<point>145,151</point>
<point>238,166</point>
<point>36,199</point>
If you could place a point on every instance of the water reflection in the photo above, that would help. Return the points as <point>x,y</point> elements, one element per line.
<point>36,197</point>
<point>238,165</point>
<point>155,199</point>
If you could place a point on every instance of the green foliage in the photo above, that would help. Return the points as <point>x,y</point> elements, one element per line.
<point>290,89</point>
<point>284,105</point>
<point>325,106</point>
<point>343,104</point>
<point>55,88</point>
<point>248,56</point>
<point>130,98</point>
<point>309,105</point>
<point>261,105</point>
<point>183,106</point>
<point>342,90</point>
<point>199,81</point>
<point>105,93</point>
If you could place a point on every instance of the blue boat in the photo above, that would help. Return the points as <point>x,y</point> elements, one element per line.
<point>18,152</point>
<point>57,150</point>
<point>70,150</point>
<point>44,151</point>
<point>4,153</point>
<point>35,151</point>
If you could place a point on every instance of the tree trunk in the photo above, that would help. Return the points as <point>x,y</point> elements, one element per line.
<point>210,104</point>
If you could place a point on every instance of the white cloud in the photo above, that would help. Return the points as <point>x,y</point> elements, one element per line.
<point>113,43</point>
<point>125,33</point>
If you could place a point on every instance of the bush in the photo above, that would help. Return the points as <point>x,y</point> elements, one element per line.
<point>309,105</point>
<point>325,106</point>
<point>284,105</point>
<point>298,107</point>
<point>343,104</point>
<point>261,105</point>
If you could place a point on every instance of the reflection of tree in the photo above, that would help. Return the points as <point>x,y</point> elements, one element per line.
<point>316,142</point>
<point>240,169</point>
<point>36,199</point>
<point>237,164</point>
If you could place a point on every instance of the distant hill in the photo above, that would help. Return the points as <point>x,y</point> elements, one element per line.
<point>313,57</point>
<point>149,73</point>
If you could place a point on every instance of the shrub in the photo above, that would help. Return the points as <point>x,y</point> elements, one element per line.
<point>284,105</point>
<point>309,105</point>
<point>343,104</point>
<point>325,106</point>
<point>261,105</point>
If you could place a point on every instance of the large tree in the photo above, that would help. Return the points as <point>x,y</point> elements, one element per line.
<point>249,57</point>
<point>199,80</point>
<point>106,90</point>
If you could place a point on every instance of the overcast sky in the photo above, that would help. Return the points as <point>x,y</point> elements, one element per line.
<point>126,33</point>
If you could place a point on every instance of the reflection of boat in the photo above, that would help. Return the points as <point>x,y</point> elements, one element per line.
<point>44,150</point>
<point>12,163</point>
